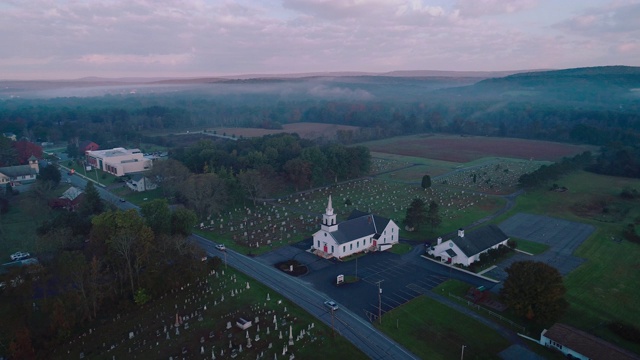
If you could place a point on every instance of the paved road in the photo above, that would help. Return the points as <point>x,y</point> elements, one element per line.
<point>354,328</point>
<point>80,181</point>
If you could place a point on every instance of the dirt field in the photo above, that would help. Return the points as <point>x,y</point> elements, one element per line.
<point>464,149</point>
<point>305,130</point>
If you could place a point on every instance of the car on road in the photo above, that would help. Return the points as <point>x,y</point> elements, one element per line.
<point>221,247</point>
<point>122,200</point>
<point>331,305</point>
<point>20,256</point>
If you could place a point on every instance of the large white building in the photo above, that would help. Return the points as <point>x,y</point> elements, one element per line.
<point>119,161</point>
<point>466,249</point>
<point>361,232</point>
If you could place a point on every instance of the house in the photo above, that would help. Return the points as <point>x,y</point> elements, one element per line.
<point>87,145</point>
<point>361,232</point>
<point>19,173</point>
<point>119,161</point>
<point>10,135</point>
<point>577,344</point>
<point>466,249</point>
<point>69,200</point>
<point>139,182</point>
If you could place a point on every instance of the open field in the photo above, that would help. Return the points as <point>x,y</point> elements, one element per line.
<point>434,331</point>
<point>17,231</point>
<point>203,310</point>
<point>468,148</point>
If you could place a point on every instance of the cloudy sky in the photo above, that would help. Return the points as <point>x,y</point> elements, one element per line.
<point>56,39</point>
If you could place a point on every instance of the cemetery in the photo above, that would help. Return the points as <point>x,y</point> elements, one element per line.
<point>464,196</point>
<point>224,315</point>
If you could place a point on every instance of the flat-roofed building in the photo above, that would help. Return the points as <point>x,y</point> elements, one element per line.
<point>119,161</point>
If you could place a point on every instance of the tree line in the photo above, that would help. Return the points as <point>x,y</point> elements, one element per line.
<point>93,263</point>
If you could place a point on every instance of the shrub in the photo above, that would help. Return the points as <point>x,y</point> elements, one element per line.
<point>625,331</point>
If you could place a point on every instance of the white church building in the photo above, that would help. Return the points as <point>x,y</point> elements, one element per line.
<point>361,232</point>
<point>466,249</point>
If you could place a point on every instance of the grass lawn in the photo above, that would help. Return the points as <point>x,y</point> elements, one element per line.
<point>434,331</point>
<point>401,248</point>
<point>140,198</point>
<point>531,247</point>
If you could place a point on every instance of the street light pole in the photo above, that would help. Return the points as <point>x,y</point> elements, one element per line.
<point>380,302</point>
<point>462,353</point>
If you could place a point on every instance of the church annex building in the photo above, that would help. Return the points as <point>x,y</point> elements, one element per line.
<point>360,232</point>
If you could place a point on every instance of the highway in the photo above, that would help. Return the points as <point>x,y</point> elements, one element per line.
<point>354,328</point>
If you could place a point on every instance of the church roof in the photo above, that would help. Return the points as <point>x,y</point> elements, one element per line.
<point>18,170</point>
<point>480,240</point>
<point>586,344</point>
<point>358,225</point>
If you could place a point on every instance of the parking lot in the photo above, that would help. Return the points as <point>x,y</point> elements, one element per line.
<point>401,278</point>
<point>562,236</point>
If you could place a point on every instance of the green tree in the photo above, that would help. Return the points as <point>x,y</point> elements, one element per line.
<point>157,216</point>
<point>205,194</point>
<point>91,203</point>
<point>426,182</point>
<point>182,221</point>
<point>50,173</point>
<point>416,214</point>
<point>433,215</point>
<point>535,291</point>
<point>128,242</point>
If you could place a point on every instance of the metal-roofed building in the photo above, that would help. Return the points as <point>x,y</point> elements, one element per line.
<point>466,249</point>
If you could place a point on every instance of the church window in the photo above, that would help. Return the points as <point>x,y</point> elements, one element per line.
<point>325,234</point>
<point>350,246</point>
<point>391,237</point>
<point>344,248</point>
<point>318,243</point>
<point>357,243</point>
<point>331,248</point>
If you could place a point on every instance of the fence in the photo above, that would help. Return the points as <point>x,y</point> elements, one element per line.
<point>478,307</point>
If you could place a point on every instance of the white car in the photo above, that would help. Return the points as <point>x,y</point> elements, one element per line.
<point>331,305</point>
<point>221,247</point>
<point>20,256</point>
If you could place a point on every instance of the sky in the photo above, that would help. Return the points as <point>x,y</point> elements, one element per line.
<point>68,39</point>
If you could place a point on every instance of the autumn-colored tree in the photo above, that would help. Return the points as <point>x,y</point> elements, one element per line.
<point>21,346</point>
<point>25,149</point>
<point>534,290</point>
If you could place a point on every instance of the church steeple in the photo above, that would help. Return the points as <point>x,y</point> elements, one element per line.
<point>329,222</point>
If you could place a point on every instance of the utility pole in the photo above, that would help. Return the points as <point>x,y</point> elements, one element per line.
<point>333,329</point>
<point>379,302</point>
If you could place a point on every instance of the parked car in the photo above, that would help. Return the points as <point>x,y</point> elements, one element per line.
<point>221,247</point>
<point>20,256</point>
<point>331,305</point>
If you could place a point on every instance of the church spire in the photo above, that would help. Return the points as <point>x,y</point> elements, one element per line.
<point>329,207</point>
